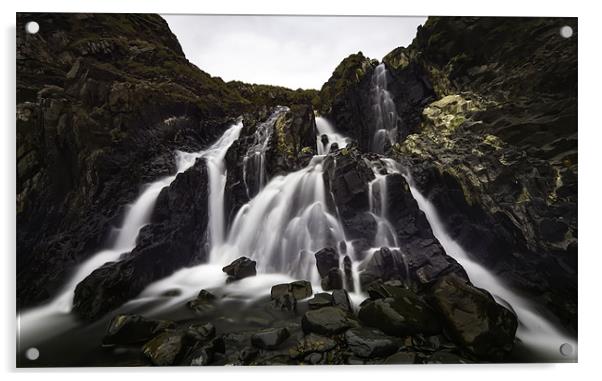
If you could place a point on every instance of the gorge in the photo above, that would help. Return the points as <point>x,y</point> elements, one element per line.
<point>417,209</point>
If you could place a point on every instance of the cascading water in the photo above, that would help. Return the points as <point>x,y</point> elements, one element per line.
<point>254,174</point>
<point>537,334</point>
<point>48,318</point>
<point>383,111</point>
<point>377,197</point>
<point>327,136</point>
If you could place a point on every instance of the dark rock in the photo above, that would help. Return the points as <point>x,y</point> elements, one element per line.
<point>248,354</point>
<point>401,358</point>
<point>270,338</point>
<point>444,357</point>
<point>130,329</point>
<point>205,302</point>
<point>327,321</point>
<point>320,300</point>
<point>201,332</point>
<point>164,349</point>
<point>366,342</point>
<point>401,315</point>
<point>285,302</point>
<point>241,268</point>
<point>333,280</point>
<point>473,318</point>
<point>313,343</point>
<point>340,299</point>
<point>326,259</point>
<point>297,290</point>
<point>349,286</point>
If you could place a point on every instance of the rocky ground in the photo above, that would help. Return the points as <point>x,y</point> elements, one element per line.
<point>486,130</point>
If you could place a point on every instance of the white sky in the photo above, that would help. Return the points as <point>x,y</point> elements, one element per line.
<point>291,51</point>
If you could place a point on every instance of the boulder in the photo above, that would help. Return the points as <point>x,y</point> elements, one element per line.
<point>131,329</point>
<point>333,280</point>
<point>297,290</point>
<point>203,303</point>
<point>164,349</point>
<point>201,332</point>
<point>323,299</point>
<point>401,315</point>
<point>473,318</point>
<point>370,343</point>
<point>348,274</point>
<point>242,267</point>
<point>312,343</point>
<point>340,298</point>
<point>326,259</point>
<point>401,358</point>
<point>327,321</point>
<point>270,338</point>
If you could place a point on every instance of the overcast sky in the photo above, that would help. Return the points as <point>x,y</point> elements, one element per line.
<point>291,51</point>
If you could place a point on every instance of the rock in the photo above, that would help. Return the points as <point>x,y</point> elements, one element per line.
<point>333,280</point>
<point>248,354</point>
<point>131,329</point>
<point>301,289</point>
<point>401,315</point>
<point>443,357</point>
<point>327,321</point>
<point>385,264</point>
<point>326,259</point>
<point>270,338</point>
<point>201,332</point>
<point>312,343</point>
<point>204,353</point>
<point>285,295</point>
<point>473,318</point>
<point>320,300</point>
<point>340,299</point>
<point>401,358</point>
<point>164,348</point>
<point>241,268</point>
<point>348,274</point>
<point>203,303</point>
<point>370,343</point>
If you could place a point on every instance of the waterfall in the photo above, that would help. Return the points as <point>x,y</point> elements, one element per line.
<point>254,174</point>
<point>384,112</point>
<point>39,320</point>
<point>377,199</point>
<point>327,136</point>
<point>535,332</point>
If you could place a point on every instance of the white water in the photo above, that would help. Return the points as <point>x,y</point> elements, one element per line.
<point>325,128</point>
<point>384,111</point>
<point>377,197</point>
<point>255,156</point>
<point>48,319</point>
<point>537,334</point>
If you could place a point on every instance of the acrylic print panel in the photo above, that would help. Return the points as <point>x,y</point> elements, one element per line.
<point>262,190</point>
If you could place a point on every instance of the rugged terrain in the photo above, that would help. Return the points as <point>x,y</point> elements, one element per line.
<point>486,129</point>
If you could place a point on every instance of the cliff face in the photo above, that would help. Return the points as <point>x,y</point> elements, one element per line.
<point>491,140</point>
<point>103,100</point>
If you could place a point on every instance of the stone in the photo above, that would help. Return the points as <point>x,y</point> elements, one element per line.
<point>327,321</point>
<point>313,343</point>
<point>242,267</point>
<point>201,332</point>
<point>333,280</point>
<point>405,314</point>
<point>326,259</point>
<point>370,343</point>
<point>473,318</point>
<point>269,338</point>
<point>348,274</point>
<point>163,349</point>
<point>401,358</point>
<point>323,299</point>
<point>340,298</point>
<point>131,329</point>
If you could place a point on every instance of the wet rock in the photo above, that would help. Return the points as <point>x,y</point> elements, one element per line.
<point>285,302</point>
<point>312,343</point>
<point>473,318</point>
<point>203,303</point>
<point>340,298</point>
<point>242,267</point>
<point>248,354</point>
<point>401,358</point>
<point>130,329</point>
<point>444,357</point>
<point>164,349</point>
<point>204,353</point>
<point>284,296</point>
<point>301,289</point>
<point>270,338</point>
<point>320,300</point>
<point>366,342</point>
<point>348,274</point>
<point>326,259</point>
<point>333,280</point>
<point>201,332</point>
<point>401,315</point>
<point>385,264</point>
<point>327,321</point>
